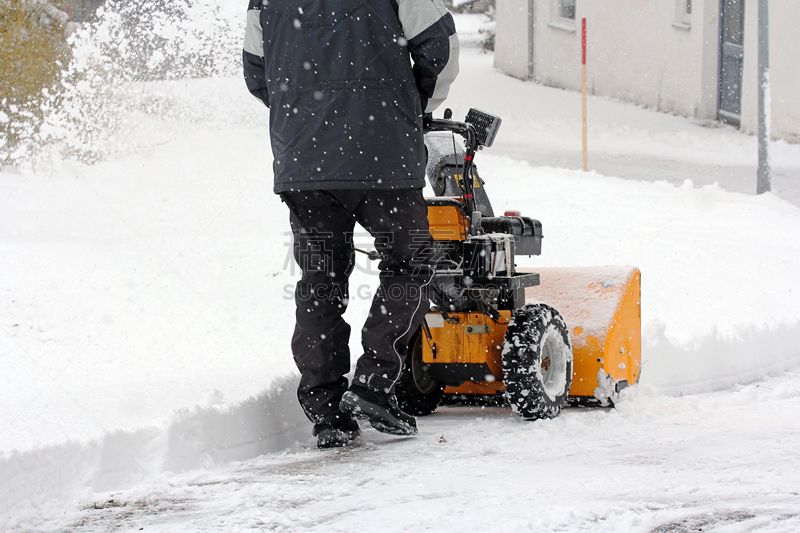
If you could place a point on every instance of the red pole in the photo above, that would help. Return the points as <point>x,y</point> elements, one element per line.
<point>583,95</point>
<point>583,40</point>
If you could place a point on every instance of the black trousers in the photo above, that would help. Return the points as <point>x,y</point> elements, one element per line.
<point>323,223</point>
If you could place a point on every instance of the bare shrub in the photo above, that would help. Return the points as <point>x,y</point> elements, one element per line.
<point>32,56</point>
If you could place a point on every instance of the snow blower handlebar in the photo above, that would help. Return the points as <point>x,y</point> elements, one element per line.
<point>467,131</point>
<point>478,129</point>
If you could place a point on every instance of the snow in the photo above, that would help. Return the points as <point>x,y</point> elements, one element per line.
<point>587,298</point>
<point>146,313</point>
<point>654,462</point>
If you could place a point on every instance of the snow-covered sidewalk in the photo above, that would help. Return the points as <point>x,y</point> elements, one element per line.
<point>716,462</point>
<point>145,307</point>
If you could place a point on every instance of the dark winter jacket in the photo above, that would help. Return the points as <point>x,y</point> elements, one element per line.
<point>345,103</point>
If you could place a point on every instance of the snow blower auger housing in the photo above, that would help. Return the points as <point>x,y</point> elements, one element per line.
<point>498,333</point>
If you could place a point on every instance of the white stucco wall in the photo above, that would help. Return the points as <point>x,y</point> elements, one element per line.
<point>635,53</point>
<point>784,34</point>
<point>511,38</point>
<point>706,17</point>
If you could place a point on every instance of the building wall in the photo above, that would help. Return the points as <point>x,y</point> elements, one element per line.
<point>511,37</point>
<point>637,53</point>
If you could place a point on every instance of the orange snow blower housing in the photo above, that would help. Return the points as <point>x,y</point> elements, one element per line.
<point>601,306</point>
<point>534,338</point>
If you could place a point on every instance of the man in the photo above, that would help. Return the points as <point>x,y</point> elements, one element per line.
<point>346,107</point>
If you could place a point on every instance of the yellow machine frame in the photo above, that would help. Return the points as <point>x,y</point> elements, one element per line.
<point>600,305</point>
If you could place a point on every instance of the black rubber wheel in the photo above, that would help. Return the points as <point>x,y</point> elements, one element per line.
<point>537,362</point>
<point>417,392</point>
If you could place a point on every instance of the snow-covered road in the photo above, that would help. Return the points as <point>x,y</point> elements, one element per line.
<point>625,140</point>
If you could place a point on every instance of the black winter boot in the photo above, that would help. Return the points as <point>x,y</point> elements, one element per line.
<point>337,434</point>
<point>379,409</point>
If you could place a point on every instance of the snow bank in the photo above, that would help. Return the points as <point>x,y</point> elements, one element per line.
<point>719,284</point>
<point>717,361</point>
<point>65,474</point>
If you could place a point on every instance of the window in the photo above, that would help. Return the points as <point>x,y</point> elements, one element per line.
<point>683,14</point>
<point>562,15</point>
<point>566,9</point>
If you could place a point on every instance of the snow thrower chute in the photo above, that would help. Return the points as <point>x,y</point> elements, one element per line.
<point>532,339</point>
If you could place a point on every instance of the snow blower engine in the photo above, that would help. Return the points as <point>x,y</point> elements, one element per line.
<point>531,339</point>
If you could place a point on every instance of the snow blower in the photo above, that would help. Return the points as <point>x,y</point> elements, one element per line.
<point>534,339</point>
